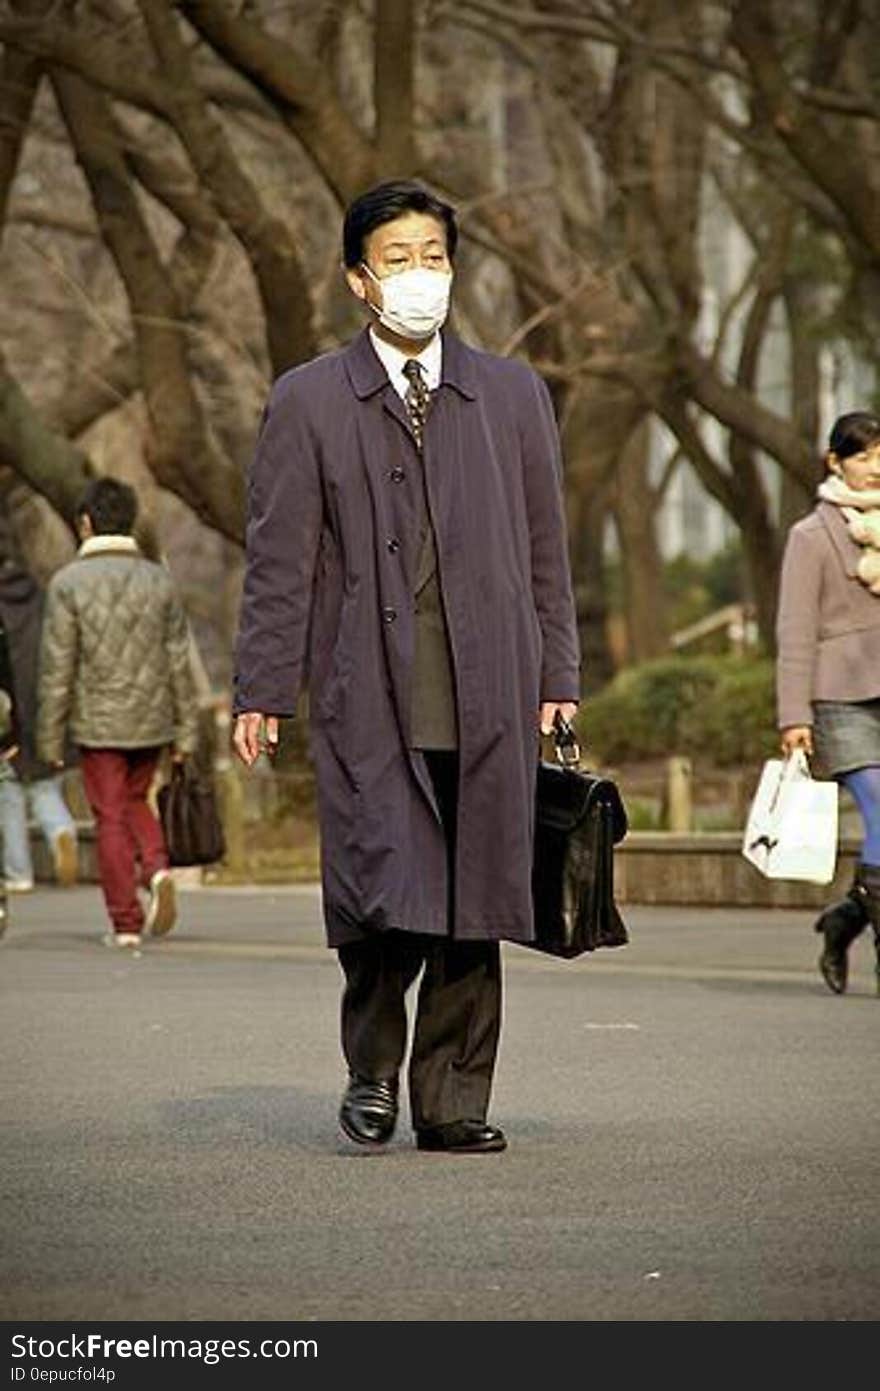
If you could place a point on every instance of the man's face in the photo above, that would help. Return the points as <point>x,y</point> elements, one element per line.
<point>411,241</point>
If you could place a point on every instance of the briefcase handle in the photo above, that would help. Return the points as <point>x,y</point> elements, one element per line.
<point>565,742</point>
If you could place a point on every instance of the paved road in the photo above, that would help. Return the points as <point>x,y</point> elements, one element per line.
<point>693,1125</point>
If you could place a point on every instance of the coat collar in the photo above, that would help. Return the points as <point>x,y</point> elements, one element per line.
<point>367,375</point>
<point>834,522</point>
<point>100,545</point>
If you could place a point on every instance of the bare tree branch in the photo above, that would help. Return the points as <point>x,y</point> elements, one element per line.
<point>19,79</point>
<point>541,315</point>
<point>94,55</point>
<point>182,455</point>
<point>271,247</point>
<point>99,389</point>
<point>714,478</point>
<point>46,460</point>
<point>96,391</point>
<point>35,215</point>
<point>843,103</point>
<point>299,88</point>
<point>535,21</point>
<point>739,410</point>
<point>825,158</point>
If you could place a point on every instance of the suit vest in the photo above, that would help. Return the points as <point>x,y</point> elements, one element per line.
<point>433,722</point>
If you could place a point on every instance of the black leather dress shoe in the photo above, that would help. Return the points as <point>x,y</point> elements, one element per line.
<point>368,1112</point>
<point>462,1137</point>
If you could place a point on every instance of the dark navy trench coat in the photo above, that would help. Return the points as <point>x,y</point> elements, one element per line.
<point>332,548</point>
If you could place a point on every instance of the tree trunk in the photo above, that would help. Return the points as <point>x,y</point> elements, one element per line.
<point>393,83</point>
<point>763,559</point>
<point>588,518</point>
<point>595,426</point>
<point>641,562</point>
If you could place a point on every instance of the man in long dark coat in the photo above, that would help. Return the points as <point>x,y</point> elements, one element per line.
<point>406,558</point>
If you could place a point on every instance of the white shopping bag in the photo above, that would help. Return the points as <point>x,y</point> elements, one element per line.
<point>791,832</point>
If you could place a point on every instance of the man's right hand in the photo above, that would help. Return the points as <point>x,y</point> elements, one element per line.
<point>797,736</point>
<point>255,733</point>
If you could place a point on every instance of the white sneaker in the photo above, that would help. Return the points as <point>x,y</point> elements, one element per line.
<point>122,939</point>
<point>19,886</point>
<point>66,858</point>
<point>162,912</point>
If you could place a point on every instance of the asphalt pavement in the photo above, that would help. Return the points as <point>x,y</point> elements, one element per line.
<point>693,1125</point>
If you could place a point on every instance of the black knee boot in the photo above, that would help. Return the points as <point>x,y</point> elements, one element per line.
<point>840,925</point>
<point>868,877</point>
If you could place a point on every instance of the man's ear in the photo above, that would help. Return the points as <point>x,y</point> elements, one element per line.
<point>84,528</point>
<point>356,283</point>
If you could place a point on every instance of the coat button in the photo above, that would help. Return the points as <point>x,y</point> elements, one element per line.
<point>389,615</point>
<point>397,475</point>
<point>393,545</point>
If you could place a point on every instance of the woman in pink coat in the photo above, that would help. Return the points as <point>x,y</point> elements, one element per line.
<point>828,670</point>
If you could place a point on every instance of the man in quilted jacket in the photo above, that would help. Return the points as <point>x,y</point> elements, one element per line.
<point>115,669</point>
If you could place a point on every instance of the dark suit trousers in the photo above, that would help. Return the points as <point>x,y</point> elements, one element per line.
<point>458,1014</point>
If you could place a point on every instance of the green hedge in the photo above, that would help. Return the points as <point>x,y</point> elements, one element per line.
<point>721,709</point>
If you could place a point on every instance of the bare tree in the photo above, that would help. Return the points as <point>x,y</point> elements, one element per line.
<point>587,144</point>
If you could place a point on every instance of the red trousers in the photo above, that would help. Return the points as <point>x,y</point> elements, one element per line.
<point>129,838</point>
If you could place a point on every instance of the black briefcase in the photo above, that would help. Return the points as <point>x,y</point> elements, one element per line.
<point>579,818</point>
<point>190,817</point>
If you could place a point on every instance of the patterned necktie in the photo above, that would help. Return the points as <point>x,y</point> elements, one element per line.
<point>417,398</point>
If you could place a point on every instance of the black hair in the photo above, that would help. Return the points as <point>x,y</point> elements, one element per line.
<point>110,505</point>
<point>853,433</point>
<point>383,204</point>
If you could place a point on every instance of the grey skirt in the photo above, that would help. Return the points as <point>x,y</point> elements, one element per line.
<point>846,735</point>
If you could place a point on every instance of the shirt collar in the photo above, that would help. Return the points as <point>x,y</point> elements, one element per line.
<point>392,359</point>
<point>367,375</point>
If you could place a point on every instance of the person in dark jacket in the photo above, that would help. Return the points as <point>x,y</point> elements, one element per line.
<point>30,786</point>
<point>828,665</point>
<point>115,672</point>
<point>406,556</point>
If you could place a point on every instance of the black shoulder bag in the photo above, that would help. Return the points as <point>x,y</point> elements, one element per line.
<point>190,818</point>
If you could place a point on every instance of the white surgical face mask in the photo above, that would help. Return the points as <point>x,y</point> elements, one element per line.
<point>414,302</point>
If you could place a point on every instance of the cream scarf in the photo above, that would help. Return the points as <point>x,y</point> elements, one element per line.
<point>861,511</point>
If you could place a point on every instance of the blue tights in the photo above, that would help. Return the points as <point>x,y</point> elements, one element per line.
<point>864,786</point>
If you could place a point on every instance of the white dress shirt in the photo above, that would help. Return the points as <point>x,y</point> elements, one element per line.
<point>430,359</point>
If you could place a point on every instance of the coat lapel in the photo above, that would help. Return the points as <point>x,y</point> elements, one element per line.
<point>368,377</point>
<point>848,551</point>
<point>446,438</point>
